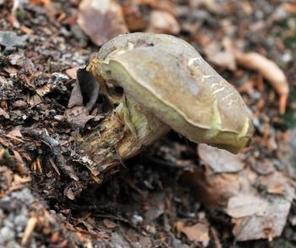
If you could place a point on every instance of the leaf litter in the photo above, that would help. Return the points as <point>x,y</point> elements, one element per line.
<point>148,203</point>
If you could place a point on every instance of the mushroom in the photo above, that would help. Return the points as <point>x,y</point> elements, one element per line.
<point>158,82</point>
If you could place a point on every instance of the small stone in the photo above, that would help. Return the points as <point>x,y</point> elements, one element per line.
<point>20,222</point>
<point>11,39</point>
<point>6,234</point>
<point>12,244</point>
<point>137,219</point>
<point>24,195</point>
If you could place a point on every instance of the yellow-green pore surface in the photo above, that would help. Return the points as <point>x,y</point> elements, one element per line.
<point>168,76</point>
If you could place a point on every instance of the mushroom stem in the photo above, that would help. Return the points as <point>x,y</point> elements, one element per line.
<point>113,141</point>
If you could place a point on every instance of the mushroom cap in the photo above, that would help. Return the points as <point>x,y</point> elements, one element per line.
<point>170,78</point>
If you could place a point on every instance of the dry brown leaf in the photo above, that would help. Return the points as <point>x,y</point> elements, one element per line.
<point>4,113</point>
<point>134,17</point>
<point>15,134</point>
<point>198,232</point>
<point>266,226</point>
<point>76,98</point>
<point>6,176</point>
<point>214,189</point>
<point>109,223</point>
<point>163,22</point>
<point>221,55</point>
<point>78,116</point>
<point>34,100</point>
<point>101,20</point>
<point>21,167</point>
<point>278,184</point>
<point>72,72</point>
<point>220,160</point>
<point>269,71</point>
<point>85,91</point>
<point>246,204</point>
<point>43,90</point>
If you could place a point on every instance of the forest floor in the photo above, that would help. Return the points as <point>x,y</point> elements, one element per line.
<point>172,194</point>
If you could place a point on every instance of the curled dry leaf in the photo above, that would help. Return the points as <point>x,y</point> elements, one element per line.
<point>101,20</point>
<point>269,71</point>
<point>163,22</point>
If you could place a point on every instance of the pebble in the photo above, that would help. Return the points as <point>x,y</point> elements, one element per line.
<point>6,234</point>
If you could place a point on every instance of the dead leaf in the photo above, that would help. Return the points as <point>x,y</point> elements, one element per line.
<point>156,207</point>
<point>5,174</point>
<point>4,113</point>
<point>109,223</point>
<point>270,71</point>
<point>278,184</point>
<point>76,98</point>
<point>34,100</point>
<point>72,72</point>
<point>198,232</point>
<point>101,20</point>
<point>89,88</point>
<point>246,204</point>
<point>163,22</point>
<point>15,133</point>
<point>134,17</point>
<point>263,167</point>
<point>220,160</point>
<point>43,90</point>
<point>266,226</point>
<point>20,164</point>
<point>85,91</point>
<point>214,189</point>
<point>78,116</point>
<point>221,55</point>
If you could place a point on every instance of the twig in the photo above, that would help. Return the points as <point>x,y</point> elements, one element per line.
<point>29,230</point>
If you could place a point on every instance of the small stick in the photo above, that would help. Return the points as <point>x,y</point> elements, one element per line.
<point>29,230</point>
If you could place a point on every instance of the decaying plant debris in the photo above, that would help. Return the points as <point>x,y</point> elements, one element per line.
<point>172,194</point>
